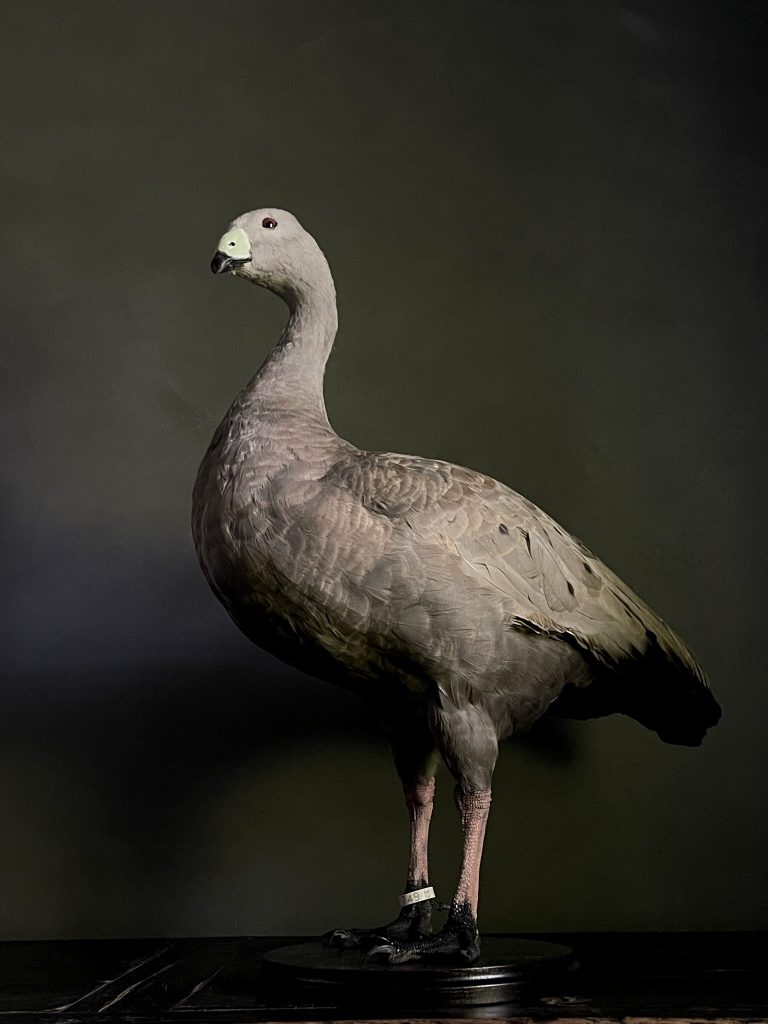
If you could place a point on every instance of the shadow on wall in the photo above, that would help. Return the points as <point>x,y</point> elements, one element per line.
<point>108,775</point>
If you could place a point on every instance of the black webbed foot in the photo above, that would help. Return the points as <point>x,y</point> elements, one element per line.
<point>458,943</point>
<point>412,923</point>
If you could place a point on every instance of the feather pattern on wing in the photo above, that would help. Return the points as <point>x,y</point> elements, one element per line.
<point>548,581</point>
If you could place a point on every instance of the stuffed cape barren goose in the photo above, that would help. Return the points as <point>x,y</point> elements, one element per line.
<point>459,608</point>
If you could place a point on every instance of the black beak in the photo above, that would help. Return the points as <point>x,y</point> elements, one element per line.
<point>221,263</point>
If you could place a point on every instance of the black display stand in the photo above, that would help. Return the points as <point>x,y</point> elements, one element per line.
<point>506,968</point>
<point>666,977</point>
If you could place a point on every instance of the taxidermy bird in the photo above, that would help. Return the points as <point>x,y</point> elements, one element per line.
<point>456,606</point>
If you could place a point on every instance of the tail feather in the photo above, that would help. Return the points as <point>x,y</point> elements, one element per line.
<point>671,697</point>
<point>662,688</point>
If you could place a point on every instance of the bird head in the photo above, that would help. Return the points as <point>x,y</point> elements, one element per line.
<point>270,248</point>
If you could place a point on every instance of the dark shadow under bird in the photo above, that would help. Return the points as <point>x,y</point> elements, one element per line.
<point>455,605</point>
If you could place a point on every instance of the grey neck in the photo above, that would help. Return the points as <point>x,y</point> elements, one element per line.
<point>291,378</point>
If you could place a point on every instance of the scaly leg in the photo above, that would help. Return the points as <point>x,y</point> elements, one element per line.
<point>416,761</point>
<point>415,919</point>
<point>458,941</point>
<point>467,740</point>
<point>462,918</point>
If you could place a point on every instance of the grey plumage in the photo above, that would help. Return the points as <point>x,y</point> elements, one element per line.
<point>442,595</point>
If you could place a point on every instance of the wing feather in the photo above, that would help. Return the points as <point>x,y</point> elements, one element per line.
<point>548,581</point>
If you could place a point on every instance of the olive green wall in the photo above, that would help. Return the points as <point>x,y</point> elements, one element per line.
<point>543,221</point>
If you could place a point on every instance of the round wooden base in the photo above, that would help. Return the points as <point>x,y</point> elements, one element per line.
<point>506,966</point>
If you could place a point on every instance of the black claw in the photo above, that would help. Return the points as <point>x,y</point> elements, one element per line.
<point>340,938</point>
<point>412,923</point>
<point>457,943</point>
<point>381,952</point>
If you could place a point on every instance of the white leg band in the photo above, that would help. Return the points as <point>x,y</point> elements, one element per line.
<point>417,896</point>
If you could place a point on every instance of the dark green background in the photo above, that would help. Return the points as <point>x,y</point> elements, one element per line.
<point>543,219</point>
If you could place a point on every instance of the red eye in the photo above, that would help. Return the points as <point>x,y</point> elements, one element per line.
<point>268,222</point>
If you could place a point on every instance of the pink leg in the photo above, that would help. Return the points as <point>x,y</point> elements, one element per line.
<point>419,799</point>
<point>414,920</point>
<point>458,942</point>
<point>474,809</point>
